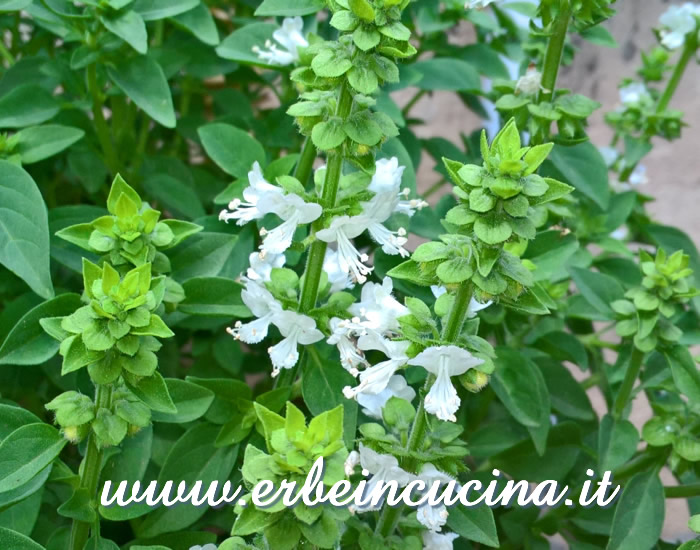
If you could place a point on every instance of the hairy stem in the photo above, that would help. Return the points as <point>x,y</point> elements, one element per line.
<point>90,475</point>
<point>103,133</point>
<point>555,49</point>
<point>623,395</point>
<point>305,166</point>
<point>389,517</point>
<point>317,252</point>
<point>314,264</point>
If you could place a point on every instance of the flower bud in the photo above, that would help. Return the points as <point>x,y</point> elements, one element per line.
<point>474,380</point>
<point>75,434</point>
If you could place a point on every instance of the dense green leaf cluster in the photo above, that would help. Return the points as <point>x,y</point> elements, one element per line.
<point>495,213</point>
<point>292,448</point>
<point>648,313</point>
<point>132,235</point>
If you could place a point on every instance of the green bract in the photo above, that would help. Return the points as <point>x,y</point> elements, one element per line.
<point>132,235</point>
<point>648,313</point>
<point>292,448</point>
<point>117,333</point>
<point>497,203</point>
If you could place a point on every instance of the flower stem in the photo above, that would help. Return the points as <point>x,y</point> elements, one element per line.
<point>103,133</point>
<point>623,395</point>
<point>314,264</point>
<point>691,45</point>
<point>90,476</point>
<point>317,252</point>
<point>389,517</point>
<point>415,99</point>
<point>683,491</point>
<point>555,49</point>
<point>302,172</point>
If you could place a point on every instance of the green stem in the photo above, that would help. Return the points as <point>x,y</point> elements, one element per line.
<point>555,49</point>
<point>90,476</point>
<point>314,264</point>
<point>317,252</point>
<point>683,491</point>
<point>389,517</point>
<point>415,99</point>
<point>103,133</point>
<point>691,45</point>
<point>6,55</point>
<point>623,395</point>
<point>305,165</point>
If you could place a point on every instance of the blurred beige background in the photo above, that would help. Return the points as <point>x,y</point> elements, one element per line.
<point>673,168</point>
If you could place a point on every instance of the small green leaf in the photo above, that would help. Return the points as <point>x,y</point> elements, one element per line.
<point>130,27</point>
<point>363,9</point>
<point>24,229</point>
<point>639,514</point>
<point>232,149</point>
<point>16,541</point>
<point>328,135</point>
<point>41,142</point>
<point>617,442</point>
<point>454,271</point>
<point>26,452</point>
<point>28,343</point>
<point>26,105</point>
<point>288,9</point>
<point>152,10</point>
<point>143,80</point>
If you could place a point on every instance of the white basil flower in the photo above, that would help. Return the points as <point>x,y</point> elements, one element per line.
<point>433,517</point>
<point>294,211</point>
<point>375,379</point>
<point>351,463</point>
<point>258,198</point>
<point>678,21</point>
<point>373,404</point>
<point>475,306</point>
<point>344,335</point>
<point>261,265</point>
<point>376,212</point>
<point>444,361</point>
<point>621,233</point>
<point>530,83</point>
<point>350,260</point>
<point>296,329</point>
<point>639,175</point>
<point>378,309</point>
<point>437,541</point>
<point>387,179</point>
<point>634,95</point>
<point>290,37</point>
<point>383,468</point>
<point>205,547</point>
<point>338,278</point>
<point>264,306</point>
